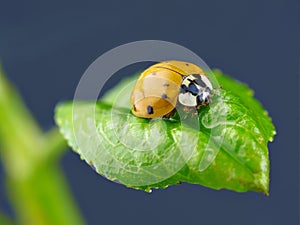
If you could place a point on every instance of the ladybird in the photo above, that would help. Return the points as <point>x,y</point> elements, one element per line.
<point>161,86</point>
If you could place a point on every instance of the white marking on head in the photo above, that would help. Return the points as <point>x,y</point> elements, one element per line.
<point>205,94</point>
<point>206,81</point>
<point>187,99</point>
<point>185,81</point>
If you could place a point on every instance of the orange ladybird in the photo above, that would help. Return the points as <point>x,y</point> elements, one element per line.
<point>157,89</point>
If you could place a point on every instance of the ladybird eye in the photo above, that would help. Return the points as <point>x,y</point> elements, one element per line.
<point>206,100</point>
<point>199,99</point>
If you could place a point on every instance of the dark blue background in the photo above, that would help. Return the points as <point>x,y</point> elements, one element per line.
<point>46,46</point>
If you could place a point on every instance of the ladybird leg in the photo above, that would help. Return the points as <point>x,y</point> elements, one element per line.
<point>186,109</point>
<point>191,110</point>
<point>195,112</point>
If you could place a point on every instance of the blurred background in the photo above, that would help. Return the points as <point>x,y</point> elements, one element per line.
<point>45,47</point>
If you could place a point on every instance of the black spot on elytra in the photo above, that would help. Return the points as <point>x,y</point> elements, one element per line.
<point>150,109</point>
<point>187,64</point>
<point>166,85</point>
<point>164,96</point>
<point>134,108</point>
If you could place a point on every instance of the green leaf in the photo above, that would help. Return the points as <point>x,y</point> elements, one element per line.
<point>225,148</point>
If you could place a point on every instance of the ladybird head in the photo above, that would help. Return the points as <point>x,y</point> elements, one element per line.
<point>196,90</point>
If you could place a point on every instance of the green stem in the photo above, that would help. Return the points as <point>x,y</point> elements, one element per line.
<point>44,198</point>
<point>55,144</point>
<point>37,188</point>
